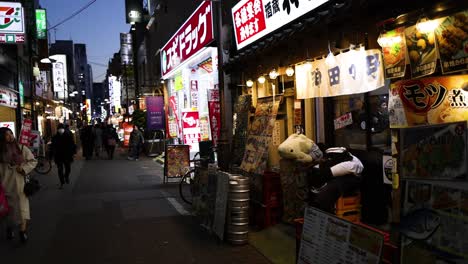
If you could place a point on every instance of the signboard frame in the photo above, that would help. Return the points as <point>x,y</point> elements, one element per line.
<point>176,161</point>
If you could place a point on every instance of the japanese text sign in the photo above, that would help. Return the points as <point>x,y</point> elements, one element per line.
<point>191,126</point>
<point>343,121</point>
<point>41,24</point>
<point>192,36</point>
<point>25,134</point>
<point>254,19</point>
<point>353,72</point>
<point>428,101</point>
<point>155,112</point>
<point>214,108</point>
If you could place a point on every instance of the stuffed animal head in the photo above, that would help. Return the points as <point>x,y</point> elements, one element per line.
<point>299,147</point>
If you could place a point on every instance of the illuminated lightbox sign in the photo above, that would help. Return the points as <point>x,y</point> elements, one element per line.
<point>192,36</point>
<point>11,22</point>
<point>41,24</point>
<point>254,19</point>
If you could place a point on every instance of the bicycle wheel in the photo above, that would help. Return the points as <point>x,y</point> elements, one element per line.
<point>185,186</point>
<point>43,165</point>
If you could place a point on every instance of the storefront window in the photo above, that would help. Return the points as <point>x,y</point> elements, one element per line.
<point>351,117</point>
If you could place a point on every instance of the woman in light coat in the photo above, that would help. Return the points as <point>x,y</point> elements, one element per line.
<point>15,163</point>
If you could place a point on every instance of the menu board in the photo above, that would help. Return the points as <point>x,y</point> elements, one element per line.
<point>327,239</point>
<point>177,160</point>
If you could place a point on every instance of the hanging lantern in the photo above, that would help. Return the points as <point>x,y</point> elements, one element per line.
<point>249,83</point>
<point>290,71</point>
<point>261,79</point>
<point>273,74</point>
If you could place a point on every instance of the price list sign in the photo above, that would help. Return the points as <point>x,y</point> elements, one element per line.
<point>328,239</point>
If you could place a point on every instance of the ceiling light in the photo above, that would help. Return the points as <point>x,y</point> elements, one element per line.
<point>261,79</point>
<point>290,71</point>
<point>249,83</point>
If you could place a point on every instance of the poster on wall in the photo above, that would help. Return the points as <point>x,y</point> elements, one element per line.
<point>191,129</point>
<point>329,239</point>
<point>452,41</point>
<point>422,51</point>
<point>176,160</point>
<point>204,128</point>
<point>353,72</point>
<point>393,45</point>
<point>172,124</point>
<point>214,108</point>
<point>436,152</point>
<point>434,222</point>
<point>155,113</point>
<point>426,101</point>
<point>260,135</point>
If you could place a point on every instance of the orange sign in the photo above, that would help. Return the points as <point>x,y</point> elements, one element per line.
<point>427,101</point>
<point>128,128</point>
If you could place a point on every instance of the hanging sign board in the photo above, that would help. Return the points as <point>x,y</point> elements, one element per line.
<point>41,24</point>
<point>192,36</point>
<point>12,27</point>
<point>426,101</point>
<point>353,72</point>
<point>452,41</point>
<point>191,129</point>
<point>393,45</point>
<point>254,19</point>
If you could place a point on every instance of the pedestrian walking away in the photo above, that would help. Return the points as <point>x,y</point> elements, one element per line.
<point>87,141</point>
<point>63,149</point>
<point>135,143</point>
<point>15,163</point>
<point>111,138</point>
<point>98,136</point>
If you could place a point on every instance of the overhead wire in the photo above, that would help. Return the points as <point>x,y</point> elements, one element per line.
<point>73,15</point>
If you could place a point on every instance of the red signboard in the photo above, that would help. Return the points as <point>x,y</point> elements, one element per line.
<point>192,36</point>
<point>25,134</point>
<point>191,126</point>
<point>249,20</point>
<point>127,128</point>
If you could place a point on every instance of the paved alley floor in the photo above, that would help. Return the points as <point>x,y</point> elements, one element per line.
<point>116,211</point>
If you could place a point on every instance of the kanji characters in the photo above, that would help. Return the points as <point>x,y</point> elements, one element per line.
<point>243,15</point>
<point>250,11</point>
<point>457,99</point>
<point>287,5</point>
<point>373,64</point>
<point>317,77</point>
<point>238,20</point>
<point>257,6</point>
<point>275,6</point>
<point>268,10</point>
<point>334,75</point>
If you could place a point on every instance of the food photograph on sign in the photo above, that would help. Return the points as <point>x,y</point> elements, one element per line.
<point>421,46</point>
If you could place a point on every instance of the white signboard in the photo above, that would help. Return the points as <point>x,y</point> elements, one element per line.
<point>353,72</point>
<point>8,98</point>
<point>254,19</point>
<point>59,72</point>
<point>11,22</point>
<point>115,93</point>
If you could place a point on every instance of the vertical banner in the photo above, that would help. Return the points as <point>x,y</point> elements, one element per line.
<point>155,112</point>
<point>215,114</point>
<point>25,134</point>
<point>173,105</point>
<point>41,24</point>
<point>260,135</point>
<point>191,129</point>
<point>194,94</point>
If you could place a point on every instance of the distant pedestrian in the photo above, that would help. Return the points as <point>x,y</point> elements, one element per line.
<point>111,138</point>
<point>135,143</point>
<point>15,163</point>
<point>97,134</point>
<point>63,149</point>
<point>87,141</point>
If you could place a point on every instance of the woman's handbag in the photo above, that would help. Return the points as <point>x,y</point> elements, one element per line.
<point>4,208</point>
<point>31,185</point>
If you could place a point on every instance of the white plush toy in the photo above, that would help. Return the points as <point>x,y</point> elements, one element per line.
<point>299,147</point>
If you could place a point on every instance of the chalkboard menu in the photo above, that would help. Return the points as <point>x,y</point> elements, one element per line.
<point>176,161</point>
<point>327,239</point>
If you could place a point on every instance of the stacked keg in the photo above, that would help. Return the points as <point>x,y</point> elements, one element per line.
<point>238,210</point>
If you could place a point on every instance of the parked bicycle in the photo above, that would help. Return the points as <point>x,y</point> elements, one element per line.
<point>44,164</point>
<point>187,185</point>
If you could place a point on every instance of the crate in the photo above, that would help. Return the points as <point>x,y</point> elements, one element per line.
<point>272,194</point>
<point>263,216</point>
<point>353,216</point>
<point>349,203</point>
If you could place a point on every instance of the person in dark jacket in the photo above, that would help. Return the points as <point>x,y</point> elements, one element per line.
<point>63,149</point>
<point>87,141</point>
<point>110,140</point>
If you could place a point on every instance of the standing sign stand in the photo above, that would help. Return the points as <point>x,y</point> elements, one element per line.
<point>328,239</point>
<point>176,161</point>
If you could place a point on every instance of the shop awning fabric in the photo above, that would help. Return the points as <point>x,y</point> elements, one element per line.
<point>353,72</point>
